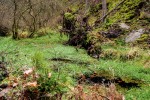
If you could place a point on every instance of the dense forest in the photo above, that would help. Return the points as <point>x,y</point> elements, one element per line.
<point>74,49</point>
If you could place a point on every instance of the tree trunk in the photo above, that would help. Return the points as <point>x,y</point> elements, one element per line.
<point>104,7</point>
<point>86,6</point>
<point>15,26</point>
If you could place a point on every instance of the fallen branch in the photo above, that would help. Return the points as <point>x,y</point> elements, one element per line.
<point>70,61</point>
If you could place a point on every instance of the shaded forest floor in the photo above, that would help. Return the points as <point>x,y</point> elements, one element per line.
<point>126,67</point>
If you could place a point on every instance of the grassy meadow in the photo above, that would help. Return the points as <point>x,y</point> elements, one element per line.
<point>125,66</point>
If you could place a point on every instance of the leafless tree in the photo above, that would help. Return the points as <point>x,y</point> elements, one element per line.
<point>86,5</point>
<point>104,7</point>
<point>15,26</point>
<point>29,14</point>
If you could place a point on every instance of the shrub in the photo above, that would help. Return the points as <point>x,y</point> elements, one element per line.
<point>110,54</point>
<point>48,82</point>
<point>68,22</point>
<point>44,31</point>
<point>3,31</point>
<point>69,16</point>
<point>95,50</point>
<point>23,34</point>
<point>39,60</point>
<point>132,54</point>
<point>95,8</point>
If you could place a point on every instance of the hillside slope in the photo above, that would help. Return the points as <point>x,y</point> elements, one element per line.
<point>122,18</point>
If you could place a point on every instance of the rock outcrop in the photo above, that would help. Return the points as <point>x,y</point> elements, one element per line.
<point>133,36</point>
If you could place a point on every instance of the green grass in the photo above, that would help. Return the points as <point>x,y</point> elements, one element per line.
<point>138,94</point>
<point>22,52</point>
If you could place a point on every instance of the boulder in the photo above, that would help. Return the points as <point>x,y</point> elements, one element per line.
<point>133,36</point>
<point>124,26</point>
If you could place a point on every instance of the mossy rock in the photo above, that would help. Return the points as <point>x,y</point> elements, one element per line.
<point>144,41</point>
<point>143,38</point>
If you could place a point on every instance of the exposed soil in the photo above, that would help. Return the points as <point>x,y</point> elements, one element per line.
<point>92,79</point>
